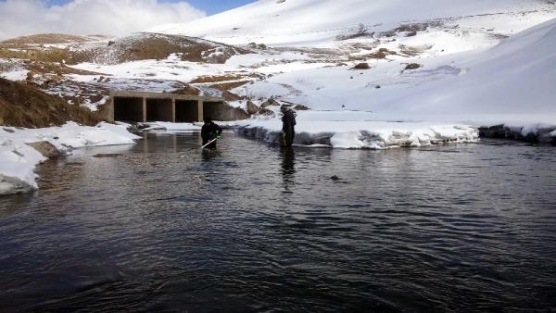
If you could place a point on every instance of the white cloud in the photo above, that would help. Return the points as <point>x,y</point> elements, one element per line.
<point>88,17</point>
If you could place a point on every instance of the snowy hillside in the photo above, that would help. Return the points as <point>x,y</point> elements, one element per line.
<point>407,58</point>
<point>317,22</point>
<point>317,45</point>
<point>427,60</point>
<point>515,77</point>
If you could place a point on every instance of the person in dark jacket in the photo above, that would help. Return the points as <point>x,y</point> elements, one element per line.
<point>210,131</point>
<point>288,123</point>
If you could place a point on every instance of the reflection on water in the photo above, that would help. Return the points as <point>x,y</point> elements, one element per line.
<point>10,204</point>
<point>288,170</point>
<point>166,226</point>
<point>210,154</point>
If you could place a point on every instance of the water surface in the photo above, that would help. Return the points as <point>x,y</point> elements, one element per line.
<point>162,226</point>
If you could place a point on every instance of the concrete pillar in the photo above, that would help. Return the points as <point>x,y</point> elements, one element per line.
<point>173,110</point>
<point>144,109</point>
<point>110,112</point>
<point>200,116</point>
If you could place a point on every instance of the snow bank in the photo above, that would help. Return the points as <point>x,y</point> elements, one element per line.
<point>18,160</point>
<point>357,130</point>
<point>17,165</point>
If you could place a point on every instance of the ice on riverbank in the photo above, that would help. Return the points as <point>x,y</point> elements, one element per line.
<point>358,130</point>
<point>18,160</point>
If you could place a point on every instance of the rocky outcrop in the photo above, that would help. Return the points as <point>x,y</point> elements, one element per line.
<point>270,102</point>
<point>252,108</point>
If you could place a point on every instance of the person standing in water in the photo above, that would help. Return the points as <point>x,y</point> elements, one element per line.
<point>288,123</point>
<point>210,131</point>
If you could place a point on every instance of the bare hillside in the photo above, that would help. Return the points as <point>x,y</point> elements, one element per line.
<point>23,105</point>
<point>49,39</point>
<point>144,46</point>
<point>97,49</point>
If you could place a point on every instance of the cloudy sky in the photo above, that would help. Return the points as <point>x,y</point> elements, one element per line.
<point>107,17</point>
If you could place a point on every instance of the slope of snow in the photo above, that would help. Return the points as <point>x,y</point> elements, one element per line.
<point>306,22</point>
<point>516,77</point>
<point>513,78</point>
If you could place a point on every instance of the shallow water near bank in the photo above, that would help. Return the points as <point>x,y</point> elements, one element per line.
<point>164,226</point>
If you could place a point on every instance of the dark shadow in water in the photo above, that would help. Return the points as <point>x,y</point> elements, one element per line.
<point>288,168</point>
<point>210,154</point>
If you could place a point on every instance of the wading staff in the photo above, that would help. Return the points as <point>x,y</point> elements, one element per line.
<point>208,143</point>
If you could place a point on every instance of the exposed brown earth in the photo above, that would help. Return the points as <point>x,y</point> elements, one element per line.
<point>43,39</point>
<point>141,46</point>
<point>23,105</point>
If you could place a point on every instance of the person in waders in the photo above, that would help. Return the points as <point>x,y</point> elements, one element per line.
<point>209,132</point>
<point>288,123</point>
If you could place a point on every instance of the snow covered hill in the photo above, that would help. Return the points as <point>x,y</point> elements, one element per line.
<point>318,22</point>
<point>402,57</point>
<point>515,77</point>
<point>403,60</point>
<point>315,44</point>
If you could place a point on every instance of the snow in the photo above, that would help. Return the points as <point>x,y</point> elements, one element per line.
<point>310,22</point>
<point>173,127</point>
<point>481,63</point>
<point>14,75</point>
<point>359,130</point>
<point>18,160</point>
<point>511,81</point>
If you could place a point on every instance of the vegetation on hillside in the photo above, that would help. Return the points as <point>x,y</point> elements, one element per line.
<point>141,46</point>
<point>48,39</point>
<point>24,105</point>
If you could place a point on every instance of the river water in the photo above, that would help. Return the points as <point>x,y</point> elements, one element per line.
<point>163,227</point>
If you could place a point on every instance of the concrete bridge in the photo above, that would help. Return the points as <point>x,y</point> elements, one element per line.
<point>132,106</point>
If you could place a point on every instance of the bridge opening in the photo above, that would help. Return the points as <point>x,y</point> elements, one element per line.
<point>187,111</point>
<point>159,110</point>
<point>213,110</point>
<point>128,109</point>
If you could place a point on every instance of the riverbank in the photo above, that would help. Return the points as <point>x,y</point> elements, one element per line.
<point>19,149</point>
<point>367,130</point>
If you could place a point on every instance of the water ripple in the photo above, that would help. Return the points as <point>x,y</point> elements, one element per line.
<point>251,228</point>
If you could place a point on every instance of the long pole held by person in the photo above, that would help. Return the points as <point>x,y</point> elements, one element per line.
<point>210,142</point>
